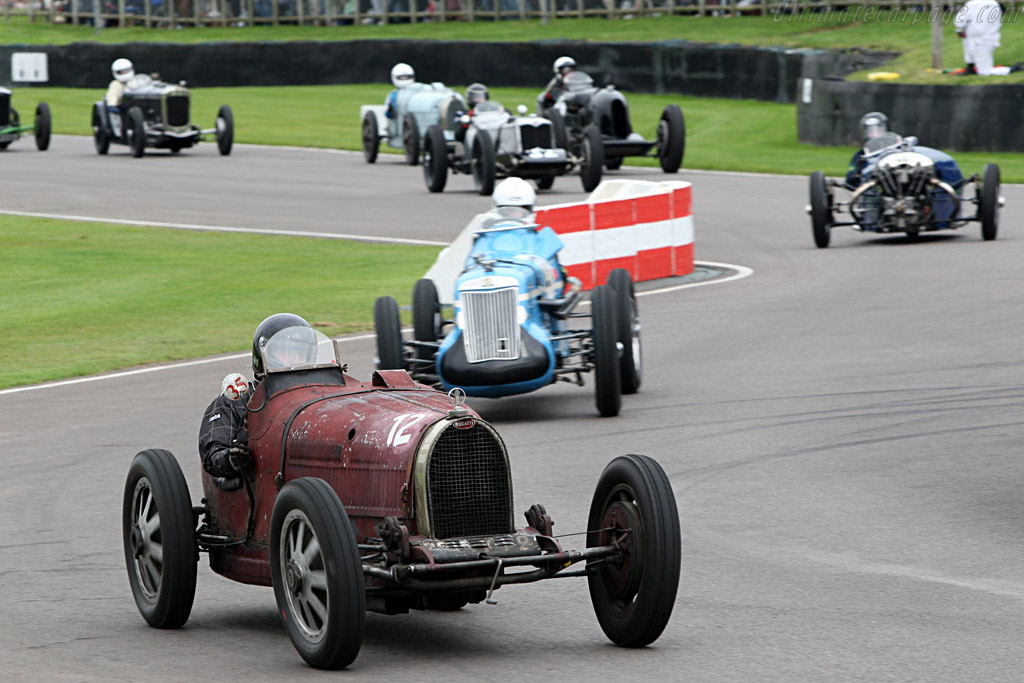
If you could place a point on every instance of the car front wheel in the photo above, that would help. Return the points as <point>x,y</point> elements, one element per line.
<point>225,130</point>
<point>605,352</point>
<point>634,508</point>
<point>435,159</point>
<point>989,209</point>
<point>411,139</point>
<point>388,327</point>
<point>136,132</point>
<point>631,361</point>
<point>43,126</point>
<point>671,139</point>
<point>158,531</point>
<point>821,210</point>
<point>593,158</point>
<point>317,573</point>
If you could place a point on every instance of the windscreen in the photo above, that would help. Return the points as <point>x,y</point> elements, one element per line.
<point>577,81</point>
<point>298,348</point>
<point>883,141</point>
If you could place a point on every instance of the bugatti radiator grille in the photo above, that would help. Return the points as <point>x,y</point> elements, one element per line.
<point>177,110</point>
<point>535,136</point>
<point>492,328</point>
<point>5,108</point>
<point>469,487</point>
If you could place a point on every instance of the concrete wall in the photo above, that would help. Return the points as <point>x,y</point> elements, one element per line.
<point>681,67</point>
<point>961,117</point>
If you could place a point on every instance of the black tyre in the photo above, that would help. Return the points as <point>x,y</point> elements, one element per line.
<point>388,327</point>
<point>545,183</point>
<point>613,164</point>
<point>158,531</point>
<point>99,131</point>
<point>426,311</point>
<point>484,170</point>
<point>605,352</point>
<point>317,574</point>
<point>559,134</point>
<point>44,124</point>
<point>371,137</point>
<point>593,158</point>
<point>988,211</point>
<point>225,130</point>
<point>671,139</point>
<point>435,159</point>
<point>136,132</point>
<point>631,361</point>
<point>411,139</point>
<point>821,210</point>
<point>634,505</point>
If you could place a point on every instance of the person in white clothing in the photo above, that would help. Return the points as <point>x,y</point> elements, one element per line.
<point>978,24</point>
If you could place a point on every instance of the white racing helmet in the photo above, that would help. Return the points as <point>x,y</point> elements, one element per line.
<point>402,75</point>
<point>563,63</point>
<point>122,69</point>
<point>514,192</point>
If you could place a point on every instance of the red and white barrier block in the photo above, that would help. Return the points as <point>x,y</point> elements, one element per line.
<point>644,227</point>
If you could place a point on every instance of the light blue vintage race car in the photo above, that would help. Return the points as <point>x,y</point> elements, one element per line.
<point>418,106</point>
<point>513,327</point>
<point>908,188</point>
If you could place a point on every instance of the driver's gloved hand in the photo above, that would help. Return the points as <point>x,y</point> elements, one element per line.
<point>240,458</point>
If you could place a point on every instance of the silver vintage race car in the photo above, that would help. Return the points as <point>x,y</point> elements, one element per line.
<point>489,142</point>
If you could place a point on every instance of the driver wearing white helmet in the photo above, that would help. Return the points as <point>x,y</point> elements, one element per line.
<point>122,71</point>
<point>401,75</point>
<point>514,198</point>
<point>563,66</point>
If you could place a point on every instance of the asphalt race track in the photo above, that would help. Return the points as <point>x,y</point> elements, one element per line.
<point>842,430</point>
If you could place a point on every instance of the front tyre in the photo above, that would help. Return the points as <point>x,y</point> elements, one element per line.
<point>100,137</point>
<point>225,130</point>
<point>317,574</point>
<point>136,132</point>
<point>435,159</point>
<point>604,339</point>
<point>635,507</point>
<point>388,327</point>
<point>482,163</point>
<point>44,124</point>
<point>592,151</point>
<point>158,531</point>
<point>821,210</point>
<point>631,360</point>
<point>411,139</point>
<point>989,208</point>
<point>371,137</point>
<point>671,139</point>
<point>545,182</point>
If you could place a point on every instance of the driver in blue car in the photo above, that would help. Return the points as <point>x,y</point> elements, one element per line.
<point>872,125</point>
<point>223,439</point>
<point>401,76</point>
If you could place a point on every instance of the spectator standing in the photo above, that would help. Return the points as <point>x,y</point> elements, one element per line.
<point>978,23</point>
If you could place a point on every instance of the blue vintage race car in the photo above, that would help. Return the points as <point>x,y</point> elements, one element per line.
<point>906,187</point>
<point>417,107</point>
<point>512,331</point>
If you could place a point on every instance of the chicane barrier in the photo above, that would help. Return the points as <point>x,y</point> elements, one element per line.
<point>642,226</point>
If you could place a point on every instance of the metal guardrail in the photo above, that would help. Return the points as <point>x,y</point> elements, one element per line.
<point>241,13</point>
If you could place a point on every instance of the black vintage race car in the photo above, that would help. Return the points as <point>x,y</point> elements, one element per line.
<point>593,123</point>
<point>10,123</point>
<point>157,115</point>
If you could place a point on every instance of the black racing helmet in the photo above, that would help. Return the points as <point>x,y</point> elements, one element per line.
<point>476,93</point>
<point>267,329</point>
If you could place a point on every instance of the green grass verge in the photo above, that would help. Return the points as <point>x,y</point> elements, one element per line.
<point>869,28</point>
<point>723,135</point>
<point>81,298</point>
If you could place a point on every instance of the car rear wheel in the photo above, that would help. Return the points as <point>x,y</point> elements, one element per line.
<point>483,163</point>
<point>371,137</point>
<point>671,139</point>
<point>317,574</point>
<point>634,506</point>
<point>821,210</point>
<point>388,327</point>
<point>426,311</point>
<point>631,361</point>
<point>136,132</point>
<point>43,126</point>
<point>411,139</point>
<point>99,131</point>
<point>989,209</point>
<point>435,159</point>
<point>593,158</point>
<point>225,130</point>
<point>605,352</point>
<point>158,531</point>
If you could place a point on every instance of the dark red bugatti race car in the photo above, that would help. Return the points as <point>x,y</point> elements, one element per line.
<point>386,496</point>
